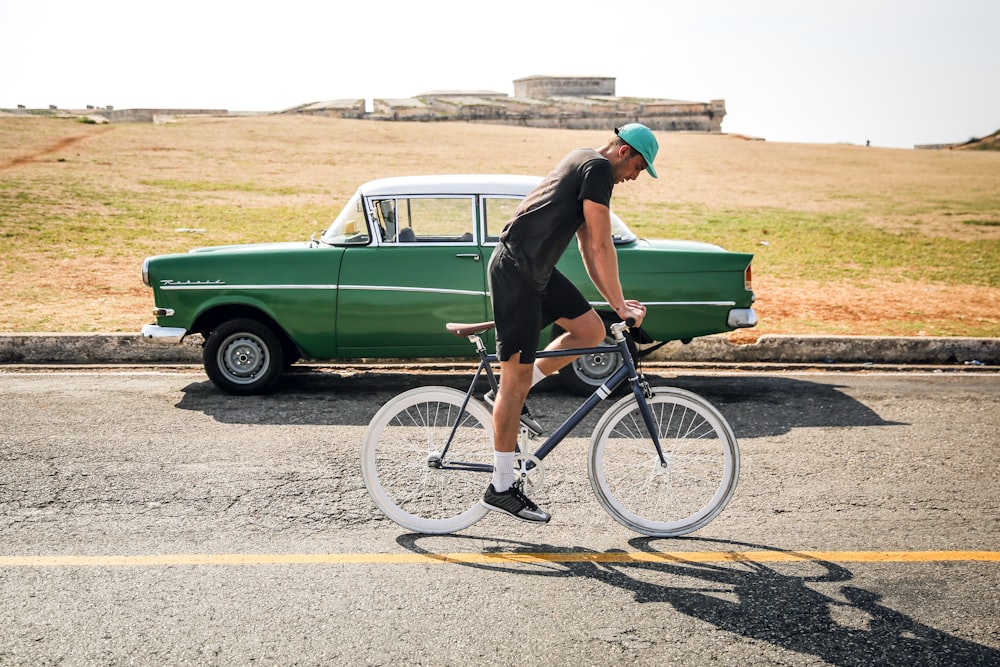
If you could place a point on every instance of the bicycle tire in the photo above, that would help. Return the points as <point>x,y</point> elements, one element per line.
<point>698,481</point>
<point>403,478</point>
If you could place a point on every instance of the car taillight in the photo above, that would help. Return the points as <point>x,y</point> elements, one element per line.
<point>748,279</point>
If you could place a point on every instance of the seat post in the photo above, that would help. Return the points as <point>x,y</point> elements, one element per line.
<point>478,342</point>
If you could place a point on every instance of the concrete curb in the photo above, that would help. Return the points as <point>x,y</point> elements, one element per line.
<point>841,349</point>
<point>127,348</point>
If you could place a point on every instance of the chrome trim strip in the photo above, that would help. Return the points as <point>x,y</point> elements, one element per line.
<point>719,304</point>
<point>430,290</point>
<point>244,287</point>
<point>363,288</point>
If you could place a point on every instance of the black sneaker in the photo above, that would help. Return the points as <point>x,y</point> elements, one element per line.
<point>514,503</point>
<point>527,420</point>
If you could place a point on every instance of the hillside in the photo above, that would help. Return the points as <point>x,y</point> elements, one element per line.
<point>990,143</point>
<point>847,239</point>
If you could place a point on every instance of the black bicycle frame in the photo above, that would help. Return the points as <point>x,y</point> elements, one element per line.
<point>627,371</point>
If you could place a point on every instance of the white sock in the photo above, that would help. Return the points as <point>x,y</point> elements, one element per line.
<point>503,471</point>
<point>536,375</point>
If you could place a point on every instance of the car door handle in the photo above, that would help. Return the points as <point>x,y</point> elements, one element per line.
<point>469,254</point>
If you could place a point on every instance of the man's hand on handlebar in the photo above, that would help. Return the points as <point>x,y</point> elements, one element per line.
<point>633,310</point>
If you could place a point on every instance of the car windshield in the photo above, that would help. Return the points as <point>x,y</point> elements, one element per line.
<point>620,233</point>
<point>350,227</point>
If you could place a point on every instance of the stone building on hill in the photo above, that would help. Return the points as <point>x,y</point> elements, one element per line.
<point>574,102</point>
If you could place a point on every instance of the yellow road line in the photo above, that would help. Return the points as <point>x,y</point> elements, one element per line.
<point>508,557</point>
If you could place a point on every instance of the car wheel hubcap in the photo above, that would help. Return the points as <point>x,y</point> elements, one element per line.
<point>244,357</point>
<point>596,368</point>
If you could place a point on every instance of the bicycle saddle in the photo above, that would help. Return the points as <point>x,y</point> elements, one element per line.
<point>470,329</point>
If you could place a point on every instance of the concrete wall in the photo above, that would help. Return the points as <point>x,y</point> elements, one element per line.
<point>581,103</point>
<point>347,108</point>
<point>148,115</point>
<point>558,86</point>
<point>406,109</point>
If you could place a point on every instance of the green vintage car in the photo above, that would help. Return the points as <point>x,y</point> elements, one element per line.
<point>404,257</point>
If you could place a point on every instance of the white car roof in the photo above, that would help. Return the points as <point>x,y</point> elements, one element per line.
<point>457,184</point>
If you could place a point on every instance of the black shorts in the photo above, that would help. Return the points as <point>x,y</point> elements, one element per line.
<point>521,311</point>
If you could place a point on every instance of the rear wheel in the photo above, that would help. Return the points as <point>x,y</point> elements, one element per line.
<point>244,357</point>
<point>586,373</point>
<point>426,461</point>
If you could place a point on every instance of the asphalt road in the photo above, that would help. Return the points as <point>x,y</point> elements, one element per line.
<point>147,518</point>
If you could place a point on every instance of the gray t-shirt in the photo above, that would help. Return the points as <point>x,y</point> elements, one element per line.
<point>549,217</point>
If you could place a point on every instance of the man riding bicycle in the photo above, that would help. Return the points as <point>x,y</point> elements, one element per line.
<point>529,293</point>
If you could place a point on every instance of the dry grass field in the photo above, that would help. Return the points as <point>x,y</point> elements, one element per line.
<point>847,239</point>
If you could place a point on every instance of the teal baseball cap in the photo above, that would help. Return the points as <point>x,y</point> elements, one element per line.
<point>640,138</point>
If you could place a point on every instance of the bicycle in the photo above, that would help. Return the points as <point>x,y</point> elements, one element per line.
<point>662,461</point>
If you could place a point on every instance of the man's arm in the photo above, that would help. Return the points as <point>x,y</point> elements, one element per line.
<point>601,261</point>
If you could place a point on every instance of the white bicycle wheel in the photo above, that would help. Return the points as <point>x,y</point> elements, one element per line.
<point>702,463</point>
<point>426,462</point>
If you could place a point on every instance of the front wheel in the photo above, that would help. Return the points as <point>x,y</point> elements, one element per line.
<point>679,494</point>
<point>244,357</point>
<point>589,371</point>
<point>426,461</point>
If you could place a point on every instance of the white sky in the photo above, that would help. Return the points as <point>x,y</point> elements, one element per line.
<point>896,72</point>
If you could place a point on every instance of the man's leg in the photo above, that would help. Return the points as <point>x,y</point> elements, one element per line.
<point>502,495</point>
<point>514,386</point>
<point>587,330</point>
<point>581,324</point>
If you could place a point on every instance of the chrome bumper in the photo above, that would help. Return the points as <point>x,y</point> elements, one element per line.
<point>158,334</point>
<point>741,318</point>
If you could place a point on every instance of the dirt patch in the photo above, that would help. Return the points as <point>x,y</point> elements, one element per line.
<point>899,309</point>
<point>59,145</point>
<point>968,227</point>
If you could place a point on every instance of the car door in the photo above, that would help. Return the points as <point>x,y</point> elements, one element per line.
<point>424,268</point>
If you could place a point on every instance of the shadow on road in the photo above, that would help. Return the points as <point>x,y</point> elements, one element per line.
<point>755,406</point>
<point>762,406</point>
<point>777,604</point>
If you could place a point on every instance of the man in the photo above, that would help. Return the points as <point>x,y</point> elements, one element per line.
<point>529,293</point>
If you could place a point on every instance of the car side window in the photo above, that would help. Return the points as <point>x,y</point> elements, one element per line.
<point>425,219</point>
<point>385,216</point>
<point>496,212</point>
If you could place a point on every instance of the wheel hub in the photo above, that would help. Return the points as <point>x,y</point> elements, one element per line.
<point>598,366</point>
<point>244,358</point>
